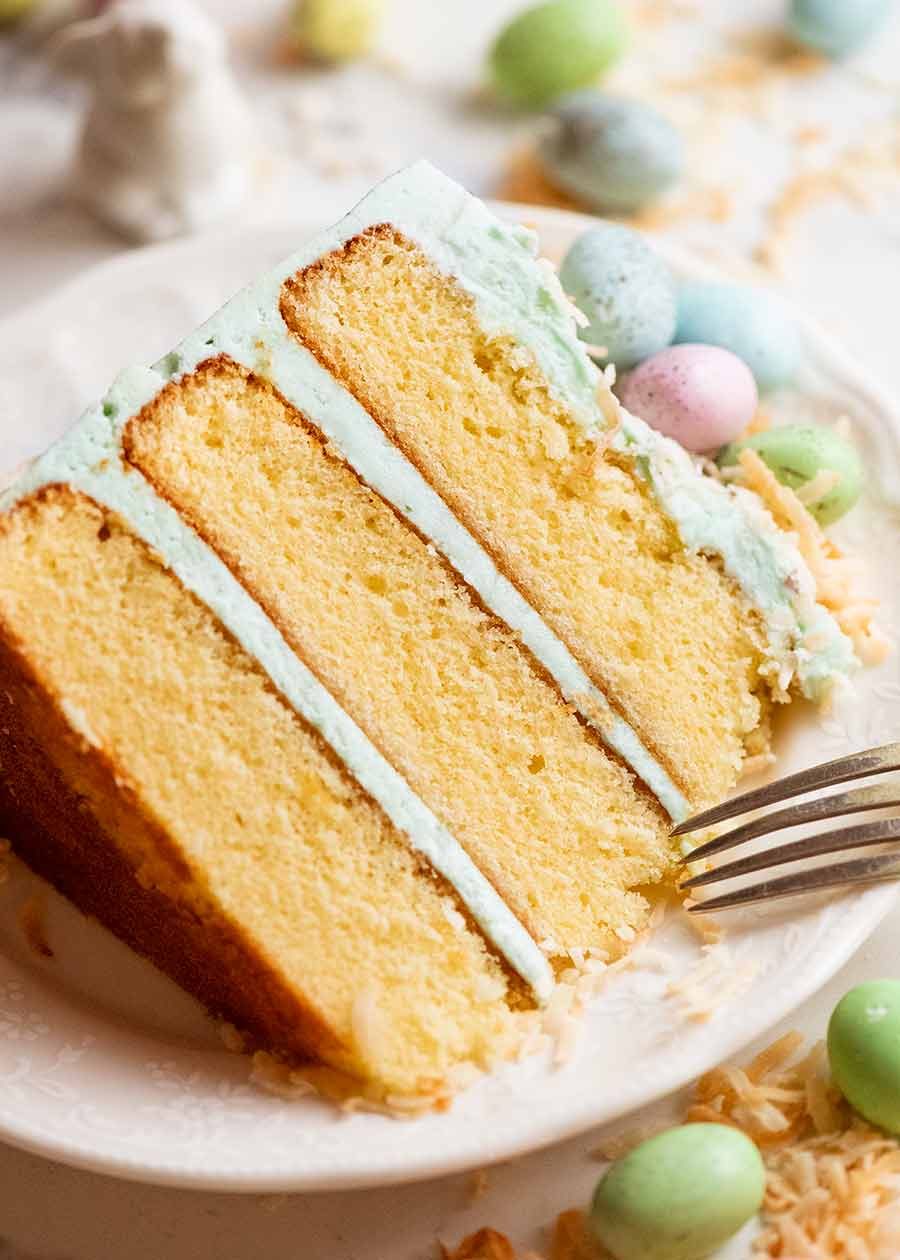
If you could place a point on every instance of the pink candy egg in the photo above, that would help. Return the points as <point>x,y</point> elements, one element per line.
<point>702,396</point>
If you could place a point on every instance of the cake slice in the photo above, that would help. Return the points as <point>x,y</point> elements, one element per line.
<point>356,658</point>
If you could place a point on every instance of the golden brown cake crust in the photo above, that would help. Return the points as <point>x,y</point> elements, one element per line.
<point>54,830</point>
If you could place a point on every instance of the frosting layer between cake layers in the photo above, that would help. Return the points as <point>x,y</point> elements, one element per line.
<point>496,265</point>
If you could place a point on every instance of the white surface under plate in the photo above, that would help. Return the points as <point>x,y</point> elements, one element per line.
<point>105,1064</point>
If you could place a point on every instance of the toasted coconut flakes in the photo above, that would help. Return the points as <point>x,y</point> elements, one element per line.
<point>709,930</point>
<point>761,423</point>
<point>834,574</point>
<point>277,1078</point>
<point>757,763</point>
<point>832,1182</point>
<point>611,408</point>
<point>823,483</point>
<point>571,1240</point>
<point>487,1244</point>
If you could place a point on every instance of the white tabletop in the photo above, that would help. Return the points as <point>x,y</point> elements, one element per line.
<point>327,138</point>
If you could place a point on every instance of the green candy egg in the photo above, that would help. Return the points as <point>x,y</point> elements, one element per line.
<point>680,1195</point>
<point>796,453</point>
<point>556,47</point>
<point>864,1051</point>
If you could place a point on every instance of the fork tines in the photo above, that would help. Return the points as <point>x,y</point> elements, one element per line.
<point>862,870</point>
<point>856,766</point>
<point>820,809</point>
<point>865,869</point>
<point>836,841</point>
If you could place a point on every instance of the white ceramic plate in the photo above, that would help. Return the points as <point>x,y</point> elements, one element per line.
<point>105,1064</point>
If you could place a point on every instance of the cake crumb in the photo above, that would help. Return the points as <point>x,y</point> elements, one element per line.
<point>32,921</point>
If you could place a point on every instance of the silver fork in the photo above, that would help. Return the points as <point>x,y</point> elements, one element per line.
<point>867,869</point>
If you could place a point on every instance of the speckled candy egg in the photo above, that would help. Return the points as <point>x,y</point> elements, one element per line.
<point>702,396</point>
<point>750,322</point>
<point>864,1051</point>
<point>610,153</point>
<point>555,48</point>
<point>624,289</point>
<point>337,30</point>
<point>680,1195</point>
<point>836,27</point>
<point>797,453</point>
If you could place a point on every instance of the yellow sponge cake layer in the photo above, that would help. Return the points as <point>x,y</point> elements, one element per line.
<point>443,689</point>
<point>153,773</point>
<point>659,628</point>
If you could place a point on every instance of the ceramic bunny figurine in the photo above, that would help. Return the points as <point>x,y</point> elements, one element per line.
<point>165,148</point>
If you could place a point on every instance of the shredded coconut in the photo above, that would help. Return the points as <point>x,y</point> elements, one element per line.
<point>835,574</point>
<point>832,1182</point>
<point>715,980</point>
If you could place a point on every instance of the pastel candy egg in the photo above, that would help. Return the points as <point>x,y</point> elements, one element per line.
<point>679,1195</point>
<point>555,48</point>
<point>624,289</point>
<point>751,323</point>
<point>864,1051</point>
<point>610,153</point>
<point>836,27</point>
<point>337,30</point>
<point>702,396</point>
<point>798,453</point>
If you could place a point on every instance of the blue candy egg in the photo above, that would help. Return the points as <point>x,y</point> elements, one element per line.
<point>626,292</point>
<point>751,323</point>
<point>836,27</point>
<point>610,153</point>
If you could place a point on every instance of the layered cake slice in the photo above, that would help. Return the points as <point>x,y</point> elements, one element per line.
<point>356,658</point>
